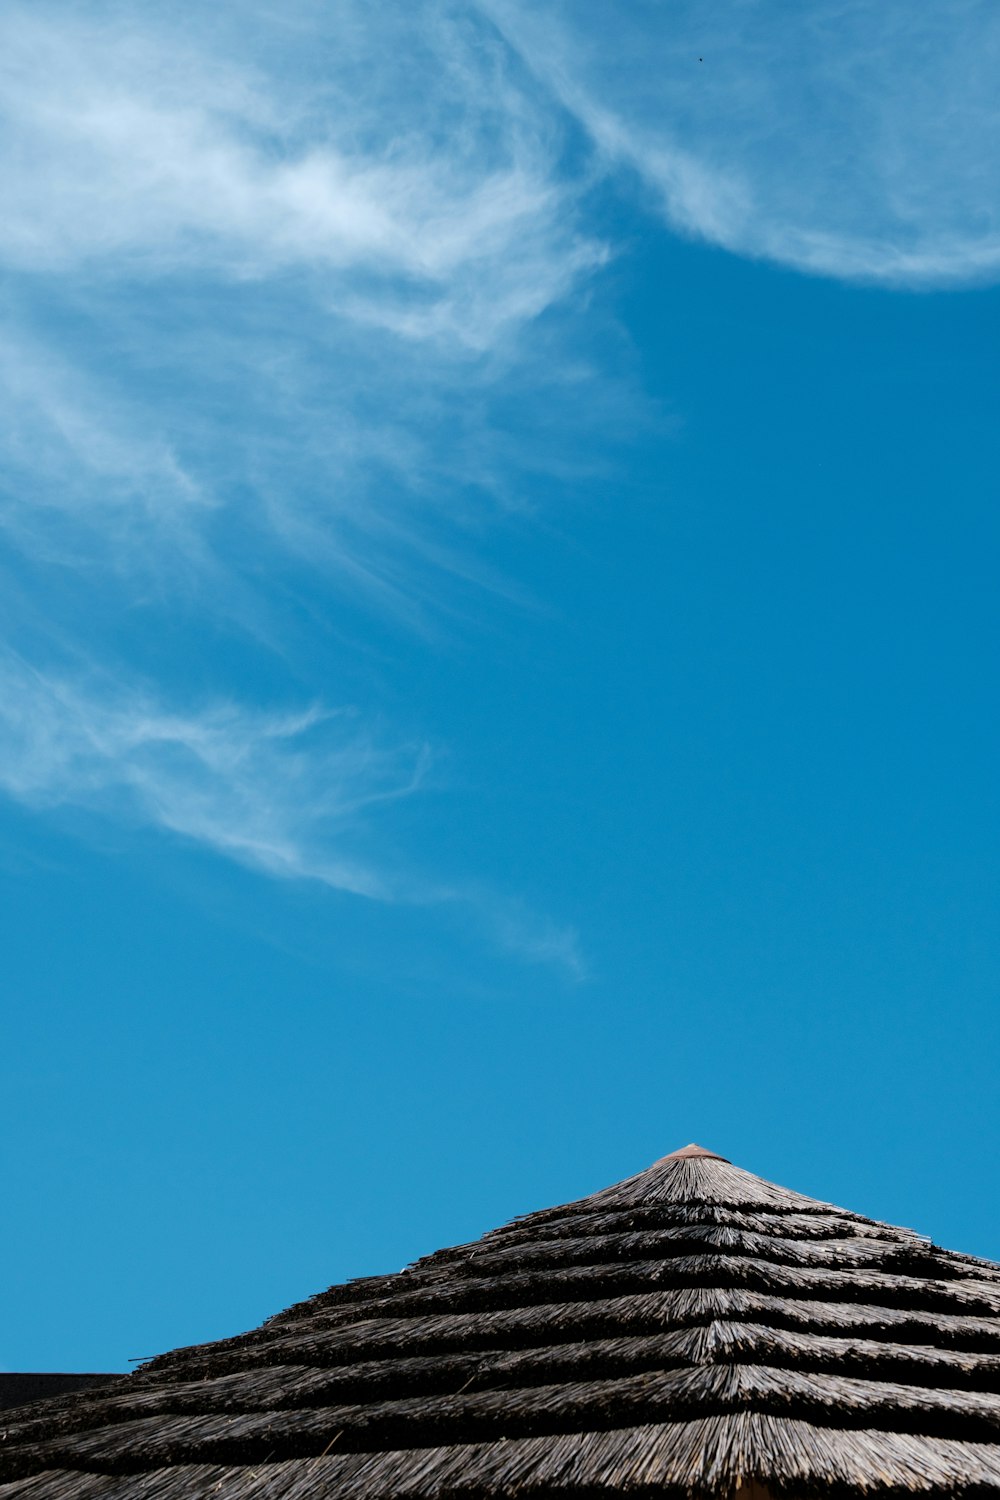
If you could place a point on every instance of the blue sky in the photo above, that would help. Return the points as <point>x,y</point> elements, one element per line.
<point>498,554</point>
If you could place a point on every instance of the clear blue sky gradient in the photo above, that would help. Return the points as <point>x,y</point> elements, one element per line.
<point>476,719</point>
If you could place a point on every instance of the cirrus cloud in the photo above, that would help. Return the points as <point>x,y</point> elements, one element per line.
<point>837,138</point>
<point>297,304</point>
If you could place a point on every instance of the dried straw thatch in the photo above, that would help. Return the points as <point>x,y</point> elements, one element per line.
<point>694,1330</point>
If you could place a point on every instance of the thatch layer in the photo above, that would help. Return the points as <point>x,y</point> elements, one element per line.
<point>709,1456</point>
<point>689,1329</point>
<point>295,1387</point>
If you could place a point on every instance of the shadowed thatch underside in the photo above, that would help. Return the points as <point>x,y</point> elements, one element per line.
<point>693,1329</point>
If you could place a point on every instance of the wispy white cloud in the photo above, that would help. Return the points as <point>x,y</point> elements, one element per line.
<point>276,791</point>
<point>81,470</point>
<point>278,278</point>
<point>131,150</point>
<point>838,138</point>
<point>269,273</point>
<point>512,925</point>
<point>269,276</point>
<point>289,794</point>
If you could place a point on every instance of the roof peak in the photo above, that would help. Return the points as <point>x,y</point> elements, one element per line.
<point>693,1174</point>
<point>695,1150</point>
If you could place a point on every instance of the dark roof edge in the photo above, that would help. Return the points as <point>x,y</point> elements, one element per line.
<point>19,1387</point>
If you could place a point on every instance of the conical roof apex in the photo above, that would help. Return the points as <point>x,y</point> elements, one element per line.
<point>693,1174</point>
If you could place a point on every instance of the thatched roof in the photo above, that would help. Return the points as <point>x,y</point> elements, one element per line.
<point>692,1330</point>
